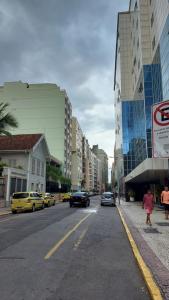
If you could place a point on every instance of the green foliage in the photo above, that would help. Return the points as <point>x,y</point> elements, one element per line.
<point>6,119</point>
<point>55,174</point>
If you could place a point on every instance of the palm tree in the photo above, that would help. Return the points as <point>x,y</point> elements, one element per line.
<point>6,120</point>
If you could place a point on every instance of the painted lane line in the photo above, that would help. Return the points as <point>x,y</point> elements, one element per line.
<point>58,244</point>
<point>77,244</point>
<point>151,284</point>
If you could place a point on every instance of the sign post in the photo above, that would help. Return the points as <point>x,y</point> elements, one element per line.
<point>160,129</point>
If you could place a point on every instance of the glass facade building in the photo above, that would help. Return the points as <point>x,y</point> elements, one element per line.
<point>141,77</point>
<point>134,137</point>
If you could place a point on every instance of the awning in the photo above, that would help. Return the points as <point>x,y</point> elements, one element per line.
<point>151,170</point>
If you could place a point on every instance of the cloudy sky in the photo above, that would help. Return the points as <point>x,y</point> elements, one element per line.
<point>70,43</point>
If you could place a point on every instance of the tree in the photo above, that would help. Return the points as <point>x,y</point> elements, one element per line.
<point>6,119</point>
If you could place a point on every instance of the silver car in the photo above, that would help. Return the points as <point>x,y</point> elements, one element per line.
<point>108,198</point>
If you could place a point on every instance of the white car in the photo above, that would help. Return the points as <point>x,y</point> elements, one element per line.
<point>108,198</point>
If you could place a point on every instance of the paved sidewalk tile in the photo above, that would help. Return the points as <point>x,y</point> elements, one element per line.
<point>153,242</point>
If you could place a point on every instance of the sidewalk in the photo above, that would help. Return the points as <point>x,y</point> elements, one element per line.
<point>153,242</point>
<point>5,211</point>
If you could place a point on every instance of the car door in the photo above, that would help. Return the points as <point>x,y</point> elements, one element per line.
<point>39,200</point>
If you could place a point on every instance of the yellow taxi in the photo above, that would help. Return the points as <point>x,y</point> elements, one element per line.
<point>48,199</point>
<point>23,201</point>
<point>66,197</point>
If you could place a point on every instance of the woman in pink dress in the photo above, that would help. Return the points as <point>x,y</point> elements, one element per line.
<point>148,205</point>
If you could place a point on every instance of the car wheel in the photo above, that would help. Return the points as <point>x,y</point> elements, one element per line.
<point>70,204</point>
<point>101,204</point>
<point>14,211</point>
<point>43,206</point>
<point>33,208</point>
<point>88,203</point>
<point>54,203</point>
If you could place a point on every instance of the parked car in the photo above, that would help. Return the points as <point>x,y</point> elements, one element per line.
<point>48,199</point>
<point>23,201</point>
<point>79,198</point>
<point>66,197</point>
<point>108,198</point>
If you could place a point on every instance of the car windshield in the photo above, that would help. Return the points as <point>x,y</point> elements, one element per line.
<point>107,195</point>
<point>79,194</point>
<point>20,195</point>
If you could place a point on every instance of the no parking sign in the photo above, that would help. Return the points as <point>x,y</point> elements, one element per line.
<point>160,134</point>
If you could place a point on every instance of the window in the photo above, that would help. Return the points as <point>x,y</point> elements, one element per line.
<point>137,24</point>
<point>42,169</point>
<point>139,64</point>
<point>135,6</point>
<point>32,186</point>
<point>153,43</point>
<point>33,166</point>
<point>152,19</point>
<point>138,43</point>
<point>134,62</point>
<point>38,167</point>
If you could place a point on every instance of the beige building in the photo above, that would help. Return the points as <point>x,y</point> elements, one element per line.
<point>86,165</point>
<point>77,163</point>
<point>103,166</point>
<point>42,108</point>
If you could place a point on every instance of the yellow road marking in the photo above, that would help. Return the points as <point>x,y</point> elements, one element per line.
<point>58,244</point>
<point>77,244</point>
<point>151,284</point>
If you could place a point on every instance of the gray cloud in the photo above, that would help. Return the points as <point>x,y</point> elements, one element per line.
<point>68,42</point>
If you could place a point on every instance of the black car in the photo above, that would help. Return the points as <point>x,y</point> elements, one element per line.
<point>80,198</point>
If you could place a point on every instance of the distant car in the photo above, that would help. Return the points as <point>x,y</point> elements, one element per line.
<point>79,198</point>
<point>66,197</point>
<point>48,199</point>
<point>108,198</point>
<point>23,201</point>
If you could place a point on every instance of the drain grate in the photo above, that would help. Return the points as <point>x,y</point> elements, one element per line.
<point>151,230</point>
<point>163,224</point>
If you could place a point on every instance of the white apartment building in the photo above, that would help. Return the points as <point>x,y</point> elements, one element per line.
<point>102,166</point>
<point>77,162</point>
<point>42,108</point>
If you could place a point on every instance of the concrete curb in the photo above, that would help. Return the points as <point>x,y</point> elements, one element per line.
<point>151,284</point>
<point>5,213</point>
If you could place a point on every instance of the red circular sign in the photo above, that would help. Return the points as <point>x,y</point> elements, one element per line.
<point>160,110</point>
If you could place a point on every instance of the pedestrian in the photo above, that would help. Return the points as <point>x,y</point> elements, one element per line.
<point>148,205</point>
<point>165,201</point>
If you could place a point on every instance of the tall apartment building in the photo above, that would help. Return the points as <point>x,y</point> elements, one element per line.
<point>77,162</point>
<point>42,108</point>
<point>141,79</point>
<point>86,164</point>
<point>103,166</point>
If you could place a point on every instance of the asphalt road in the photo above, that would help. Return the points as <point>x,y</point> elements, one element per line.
<point>63,253</point>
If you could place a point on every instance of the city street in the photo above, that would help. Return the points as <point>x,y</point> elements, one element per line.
<point>63,253</point>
